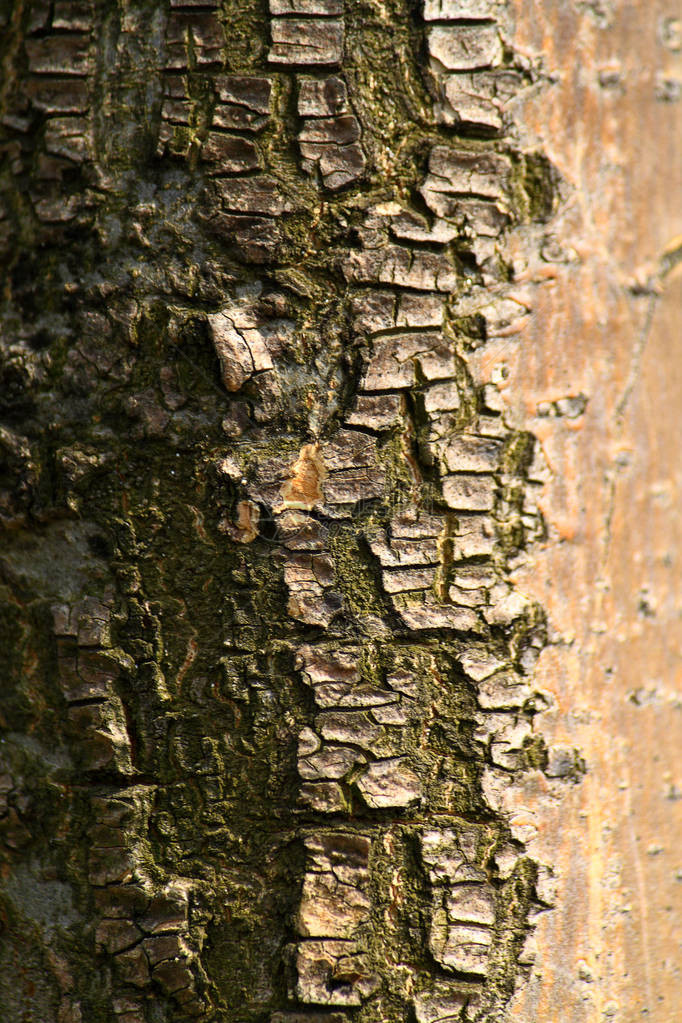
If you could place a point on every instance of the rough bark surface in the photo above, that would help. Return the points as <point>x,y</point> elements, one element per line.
<point>272,465</point>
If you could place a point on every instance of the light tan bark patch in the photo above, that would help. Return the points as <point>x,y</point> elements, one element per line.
<point>304,489</point>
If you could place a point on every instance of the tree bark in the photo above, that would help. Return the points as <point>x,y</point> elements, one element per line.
<point>339,492</point>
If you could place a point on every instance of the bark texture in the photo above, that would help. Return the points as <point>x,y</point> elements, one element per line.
<point>275,748</point>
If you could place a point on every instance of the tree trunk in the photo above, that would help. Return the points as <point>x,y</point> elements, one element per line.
<point>339,490</point>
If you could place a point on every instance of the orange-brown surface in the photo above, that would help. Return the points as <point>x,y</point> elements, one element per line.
<point>607,324</point>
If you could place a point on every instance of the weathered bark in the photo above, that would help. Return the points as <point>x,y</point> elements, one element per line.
<point>294,356</point>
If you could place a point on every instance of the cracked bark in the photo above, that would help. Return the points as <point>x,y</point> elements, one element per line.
<point>278,424</point>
